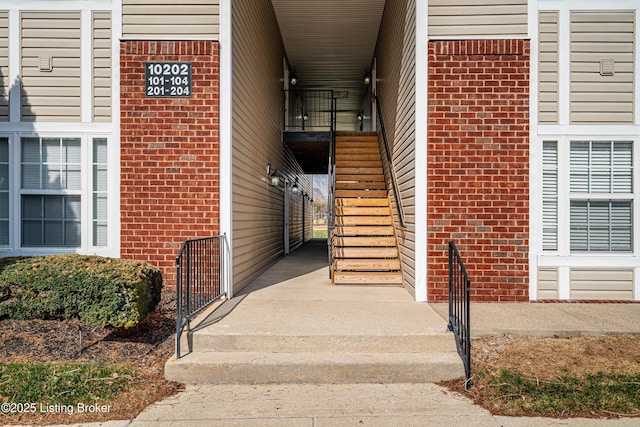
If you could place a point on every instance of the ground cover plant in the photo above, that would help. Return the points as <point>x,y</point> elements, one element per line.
<point>97,290</point>
<point>118,373</point>
<point>596,377</point>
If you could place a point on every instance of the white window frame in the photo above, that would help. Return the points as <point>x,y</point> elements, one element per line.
<point>86,196</point>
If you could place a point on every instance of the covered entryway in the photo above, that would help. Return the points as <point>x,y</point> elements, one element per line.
<point>363,54</point>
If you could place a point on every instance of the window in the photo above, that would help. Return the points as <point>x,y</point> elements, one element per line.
<point>51,191</point>
<point>601,199</point>
<point>4,191</point>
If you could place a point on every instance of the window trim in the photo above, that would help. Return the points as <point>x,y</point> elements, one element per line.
<point>565,196</point>
<point>16,192</point>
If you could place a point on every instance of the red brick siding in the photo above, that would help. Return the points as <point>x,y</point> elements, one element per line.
<point>169,154</point>
<point>478,165</point>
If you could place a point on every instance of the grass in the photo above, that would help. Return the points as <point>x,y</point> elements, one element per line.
<point>601,394</point>
<point>63,384</point>
<point>319,234</point>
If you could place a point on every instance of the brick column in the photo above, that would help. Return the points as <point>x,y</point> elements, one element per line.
<point>169,154</point>
<point>478,165</point>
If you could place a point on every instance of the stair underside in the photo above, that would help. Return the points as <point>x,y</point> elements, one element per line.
<point>365,250</point>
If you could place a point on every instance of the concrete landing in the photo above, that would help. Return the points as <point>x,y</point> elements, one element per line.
<point>292,326</point>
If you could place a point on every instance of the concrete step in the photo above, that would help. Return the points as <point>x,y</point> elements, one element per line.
<point>313,367</point>
<point>272,343</point>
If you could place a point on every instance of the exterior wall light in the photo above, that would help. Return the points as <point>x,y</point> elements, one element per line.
<point>367,79</point>
<point>273,175</point>
<point>295,189</point>
<point>293,79</point>
<point>359,116</point>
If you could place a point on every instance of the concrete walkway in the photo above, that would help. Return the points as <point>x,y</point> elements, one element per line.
<point>298,287</point>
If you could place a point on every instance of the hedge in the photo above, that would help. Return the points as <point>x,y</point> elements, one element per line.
<point>97,290</point>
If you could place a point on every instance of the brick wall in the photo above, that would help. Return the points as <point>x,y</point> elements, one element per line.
<point>478,165</point>
<point>169,154</point>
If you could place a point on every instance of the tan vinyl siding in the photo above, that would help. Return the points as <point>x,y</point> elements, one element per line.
<point>477,18</point>
<point>53,96</point>
<point>548,67</point>
<point>170,19</point>
<point>4,66</point>
<point>596,36</point>
<point>258,208</point>
<point>101,66</point>
<point>601,284</point>
<point>548,283</point>
<point>395,59</point>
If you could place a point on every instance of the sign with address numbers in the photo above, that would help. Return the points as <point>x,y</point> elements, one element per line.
<point>167,79</point>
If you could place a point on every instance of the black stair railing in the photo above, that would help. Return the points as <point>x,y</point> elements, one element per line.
<point>459,324</point>
<point>202,277</point>
<point>388,162</point>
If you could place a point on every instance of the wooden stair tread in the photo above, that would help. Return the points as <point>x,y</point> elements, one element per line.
<point>363,211</point>
<point>369,201</point>
<point>364,220</point>
<point>367,278</point>
<point>365,241</point>
<point>360,194</point>
<point>343,231</point>
<point>380,185</point>
<point>365,253</point>
<point>360,178</point>
<point>367,264</point>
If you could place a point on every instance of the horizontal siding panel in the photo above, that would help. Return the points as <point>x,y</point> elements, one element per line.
<point>395,54</point>
<point>170,18</point>
<point>596,36</point>
<point>598,295</point>
<point>548,283</point>
<point>548,67</point>
<point>590,283</point>
<point>477,18</point>
<point>101,60</point>
<point>56,95</point>
<point>4,66</point>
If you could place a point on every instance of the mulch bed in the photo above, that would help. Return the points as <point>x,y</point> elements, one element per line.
<point>145,348</point>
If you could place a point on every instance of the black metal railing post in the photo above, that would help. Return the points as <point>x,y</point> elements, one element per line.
<point>201,278</point>
<point>459,308</point>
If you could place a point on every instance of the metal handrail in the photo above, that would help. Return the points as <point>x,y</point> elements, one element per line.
<point>387,150</point>
<point>459,304</point>
<point>202,277</point>
<point>331,169</point>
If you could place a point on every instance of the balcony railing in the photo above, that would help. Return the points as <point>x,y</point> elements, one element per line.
<point>309,110</point>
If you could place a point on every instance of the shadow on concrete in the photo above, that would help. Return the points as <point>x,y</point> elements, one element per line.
<point>308,258</point>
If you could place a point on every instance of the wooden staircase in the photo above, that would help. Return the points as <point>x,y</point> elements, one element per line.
<point>364,246</point>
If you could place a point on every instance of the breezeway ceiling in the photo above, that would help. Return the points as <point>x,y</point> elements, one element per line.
<point>330,43</point>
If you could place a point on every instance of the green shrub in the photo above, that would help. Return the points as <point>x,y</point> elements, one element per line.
<point>96,290</point>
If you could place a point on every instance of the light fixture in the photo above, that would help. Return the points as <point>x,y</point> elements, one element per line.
<point>273,175</point>
<point>295,189</point>
<point>305,116</point>
<point>359,116</point>
<point>293,79</point>
<point>367,79</point>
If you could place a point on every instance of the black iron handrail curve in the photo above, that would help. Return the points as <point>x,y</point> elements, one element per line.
<point>459,304</point>
<point>387,150</point>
